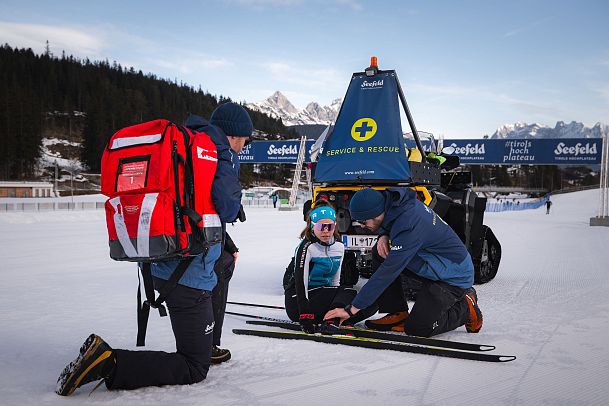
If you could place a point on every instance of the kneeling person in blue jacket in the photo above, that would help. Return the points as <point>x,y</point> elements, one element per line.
<point>413,238</point>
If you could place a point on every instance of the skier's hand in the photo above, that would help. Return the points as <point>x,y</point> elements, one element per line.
<point>235,256</point>
<point>382,246</point>
<point>307,323</point>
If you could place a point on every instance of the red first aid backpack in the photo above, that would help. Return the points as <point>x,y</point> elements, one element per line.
<point>158,178</point>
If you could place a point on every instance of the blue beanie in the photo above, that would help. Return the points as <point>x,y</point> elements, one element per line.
<point>366,204</point>
<point>232,119</point>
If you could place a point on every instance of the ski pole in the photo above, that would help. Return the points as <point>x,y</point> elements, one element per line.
<point>253,316</point>
<point>256,305</point>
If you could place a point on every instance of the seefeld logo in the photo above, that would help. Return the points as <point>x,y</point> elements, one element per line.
<point>373,84</point>
<point>284,150</point>
<point>469,149</point>
<point>578,149</point>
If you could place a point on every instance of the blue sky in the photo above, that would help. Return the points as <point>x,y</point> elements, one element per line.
<point>467,67</point>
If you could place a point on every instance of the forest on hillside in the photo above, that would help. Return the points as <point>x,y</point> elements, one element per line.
<point>107,96</point>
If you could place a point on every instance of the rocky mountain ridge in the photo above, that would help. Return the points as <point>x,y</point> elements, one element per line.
<point>573,129</point>
<point>278,106</point>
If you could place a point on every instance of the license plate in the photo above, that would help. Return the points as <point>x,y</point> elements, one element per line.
<point>359,241</point>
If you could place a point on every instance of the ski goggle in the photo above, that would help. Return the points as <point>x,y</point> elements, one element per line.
<point>323,226</point>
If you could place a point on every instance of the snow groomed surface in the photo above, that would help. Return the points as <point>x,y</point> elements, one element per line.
<point>548,306</point>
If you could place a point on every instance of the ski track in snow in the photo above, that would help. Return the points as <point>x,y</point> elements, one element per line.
<point>548,306</point>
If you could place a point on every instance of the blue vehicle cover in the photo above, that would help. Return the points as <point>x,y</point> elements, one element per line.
<point>367,143</point>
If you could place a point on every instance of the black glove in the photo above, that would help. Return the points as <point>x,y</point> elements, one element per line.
<point>307,323</point>
<point>241,215</point>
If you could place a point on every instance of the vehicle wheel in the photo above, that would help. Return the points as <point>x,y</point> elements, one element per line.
<point>487,265</point>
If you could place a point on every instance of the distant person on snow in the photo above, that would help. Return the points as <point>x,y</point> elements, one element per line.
<point>275,198</point>
<point>190,302</point>
<point>548,205</point>
<point>312,284</point>
<point>414,238</point>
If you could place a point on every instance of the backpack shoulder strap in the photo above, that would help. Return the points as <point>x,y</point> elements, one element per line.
<point>143,309</point>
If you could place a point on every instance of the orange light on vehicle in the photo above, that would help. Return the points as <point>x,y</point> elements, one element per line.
<point>374,62</point>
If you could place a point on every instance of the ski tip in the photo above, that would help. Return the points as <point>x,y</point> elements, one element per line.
<point>506,358</point>
<point>484,347</point>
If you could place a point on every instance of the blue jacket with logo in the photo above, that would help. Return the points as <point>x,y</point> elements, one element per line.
<point>226,189</point>
<point>226,196</point>
<point>420,242</point>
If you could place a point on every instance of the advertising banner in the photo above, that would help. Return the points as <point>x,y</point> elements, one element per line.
<point>566,151</point>
<point>277,152</point>
<point>556,151</point>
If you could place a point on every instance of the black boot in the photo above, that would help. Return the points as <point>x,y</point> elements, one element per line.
<point>219,355</point>
<point>95,361</point>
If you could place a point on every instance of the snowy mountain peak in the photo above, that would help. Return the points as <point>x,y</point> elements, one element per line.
<point>278,106</point>
<point>279,101</point>
<point>561,130</point>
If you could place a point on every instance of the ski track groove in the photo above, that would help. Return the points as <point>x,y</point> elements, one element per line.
<point>254,399</point>
<point>532,362</point>
<point>428,380</point>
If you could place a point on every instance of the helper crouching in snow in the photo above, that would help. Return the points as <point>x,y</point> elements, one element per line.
<point>313,284</point>
<point>190,303</point>
<point>414,238</point>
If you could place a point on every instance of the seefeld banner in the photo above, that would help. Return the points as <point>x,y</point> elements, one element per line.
<point>555,151</point>
<point>566,151</point>
<point>278,152</point>
<point>367,141</point>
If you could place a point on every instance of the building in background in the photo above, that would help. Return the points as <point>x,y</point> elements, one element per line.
<point>26,189</point>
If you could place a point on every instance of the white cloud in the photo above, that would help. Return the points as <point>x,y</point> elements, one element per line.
<point>71,39</point>
<point>459,92</point>
<point>312,76</point>
<point>265,3</point>
<point>355,5</point>
<point>300,81</point>
<point>527,27</point>
<point>602,90</point>
<point>188,63</point>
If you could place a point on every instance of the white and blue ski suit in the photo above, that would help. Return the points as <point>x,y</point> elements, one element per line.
<point>315,285</point>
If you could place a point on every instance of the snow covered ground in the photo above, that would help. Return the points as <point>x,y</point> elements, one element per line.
<point>548,305</point>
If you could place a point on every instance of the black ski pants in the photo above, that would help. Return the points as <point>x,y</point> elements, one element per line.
<point>439,307</point>
<point>224,268</point>
<point>192,321</point>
